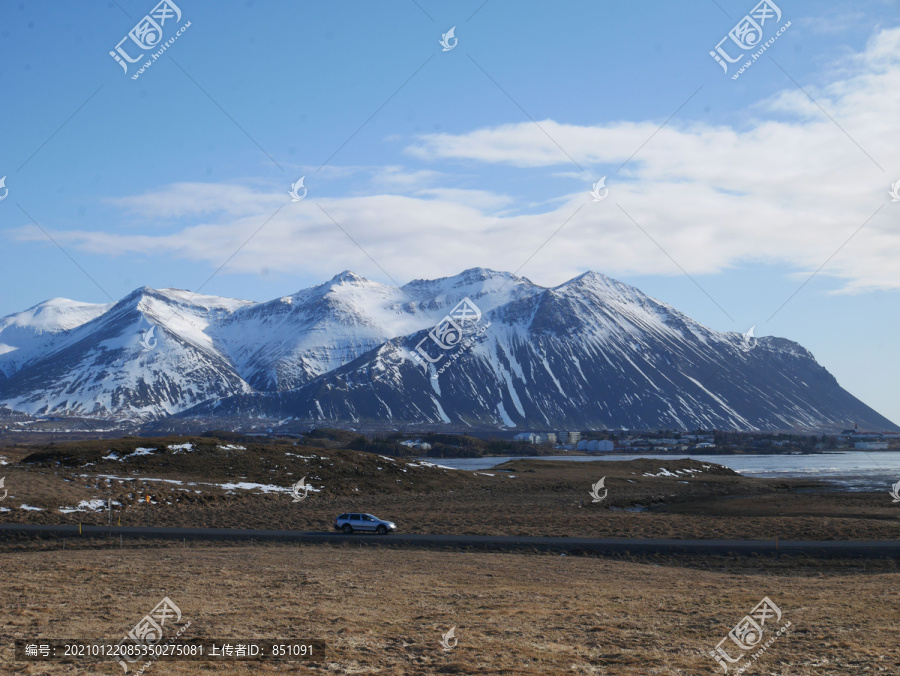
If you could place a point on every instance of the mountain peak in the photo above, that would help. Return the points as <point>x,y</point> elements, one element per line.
<point>594,279</point>
<point>347,277</point>
<point>589,276</point>
<point>597,283</point>
<point>483,273</point>
<point>466,277</point>
<point>55,314</point>
<point>135,297</point>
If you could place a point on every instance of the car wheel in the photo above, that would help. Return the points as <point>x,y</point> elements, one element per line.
<point>381,530</point>
<point>347,528</point>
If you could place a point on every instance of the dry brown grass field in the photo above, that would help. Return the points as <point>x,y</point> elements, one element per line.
<point>383,611</point>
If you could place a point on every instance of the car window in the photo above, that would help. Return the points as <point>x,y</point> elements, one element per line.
<point>342,516</point>
<point>367,517</point>
<point>354,517</point>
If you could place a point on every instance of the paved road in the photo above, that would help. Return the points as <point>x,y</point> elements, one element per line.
<point>828,548</point>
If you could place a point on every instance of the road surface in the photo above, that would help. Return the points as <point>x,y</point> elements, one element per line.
<point>828,548</point>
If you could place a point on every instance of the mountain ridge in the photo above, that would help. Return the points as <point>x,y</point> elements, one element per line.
<point>591,352</point>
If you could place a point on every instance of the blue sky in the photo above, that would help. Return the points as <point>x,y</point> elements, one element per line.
<point>435,161</point>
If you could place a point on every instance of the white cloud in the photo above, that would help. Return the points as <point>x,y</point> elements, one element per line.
<point>787,187</point>
<point>193,199</point>
<point>832,23</point>
<point>398,179</point>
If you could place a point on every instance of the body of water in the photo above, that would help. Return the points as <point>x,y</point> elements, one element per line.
<point>853,470</point>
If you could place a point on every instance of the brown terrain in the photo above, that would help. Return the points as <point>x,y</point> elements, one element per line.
<point>539,497</point>
<point>384,610</point>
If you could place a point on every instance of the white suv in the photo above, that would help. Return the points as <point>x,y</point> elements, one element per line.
<point>351,522</point>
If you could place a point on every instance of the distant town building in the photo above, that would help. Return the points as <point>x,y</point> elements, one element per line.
<point>595,445</point>
<point>536,437</point>
<point>870,445</point>
<point>856,435</point>
<point>417,443</point>
<point>850,433</point>
<point>571,438</point>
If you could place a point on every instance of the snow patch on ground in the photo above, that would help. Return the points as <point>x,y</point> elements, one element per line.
<point>677,473</point>
<point>425,463</point>
<point>265,488</point>
<point>133,478</point>
<point>95,505</point>
<point>138,451</point>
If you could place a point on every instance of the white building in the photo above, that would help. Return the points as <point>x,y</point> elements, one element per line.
<point>570,437</point>
<point>870,445</point>
<point>595,445</point>
<point>536,438</point>
<point>416,443</point>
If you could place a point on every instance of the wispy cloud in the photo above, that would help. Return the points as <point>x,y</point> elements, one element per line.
<point>786,187</point>
<point>833,23</point>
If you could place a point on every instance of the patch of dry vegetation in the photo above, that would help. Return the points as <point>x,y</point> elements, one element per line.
<point>384,611</point>
<point>678,498</point>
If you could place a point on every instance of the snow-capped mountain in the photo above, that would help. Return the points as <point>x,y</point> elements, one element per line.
<point>590,353</point>
<point>27,334</point>
<point>144,357</point>
<point>284,343</point>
